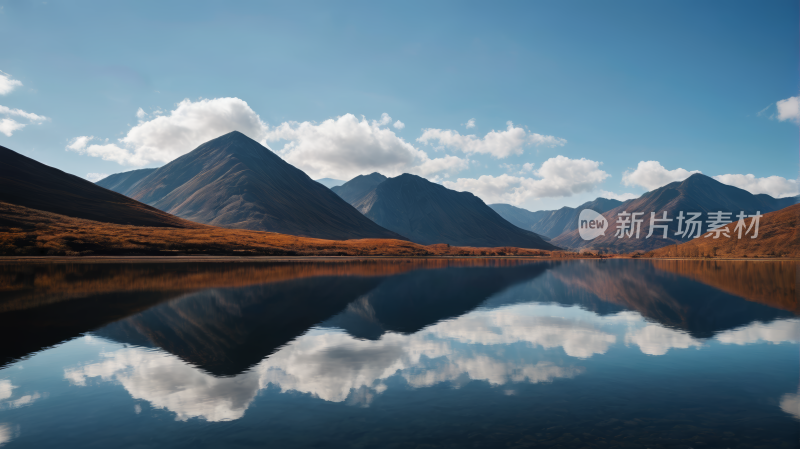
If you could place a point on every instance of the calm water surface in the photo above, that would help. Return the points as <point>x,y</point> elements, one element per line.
<point>619,353</point>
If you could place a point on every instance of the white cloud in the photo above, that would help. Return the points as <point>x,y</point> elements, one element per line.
<point>789,109</point>
<point>385,120</point>
<point>517,169</point>
<point>79,143</point>
<point>8,126</point>
<point>94,177</point>
<point>20,113</point>
<point>7,84</point>
<point>190,124</point>
<point>617,196</point>
<point>652,175</point>
<point>775,186</point>
<point>559,176</point>
<point>499,144</point>
<point>140,114</point>
<point>345,147</point>
<point>399,125</point>
<point>470,123</point>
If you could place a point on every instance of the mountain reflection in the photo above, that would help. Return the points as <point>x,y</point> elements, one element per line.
<point>348,332</point>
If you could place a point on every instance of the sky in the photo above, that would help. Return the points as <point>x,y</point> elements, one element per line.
<point>539,104</point>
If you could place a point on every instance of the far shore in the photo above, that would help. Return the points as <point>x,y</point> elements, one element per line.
<point>244,259</point>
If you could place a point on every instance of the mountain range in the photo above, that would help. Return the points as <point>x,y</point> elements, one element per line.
<point>551,223</point>
<point>697,193</point>
<point>235,182</point>
<point>429,213</point>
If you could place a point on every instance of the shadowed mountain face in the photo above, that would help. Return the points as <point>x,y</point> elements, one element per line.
<point>233,181</point>
<point>226,331</point>
<point>122,182</point>
<point>698,193</point>
<point>353,190</point>
<point>409,302</point>
<point>25,182</point>
<point>551,223</point>
<point>428,213</point>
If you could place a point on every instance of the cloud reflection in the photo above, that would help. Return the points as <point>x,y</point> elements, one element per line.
<point>775,332</point>
<point>654,339</point>
<point>6,433</point>
<point>331,365</point>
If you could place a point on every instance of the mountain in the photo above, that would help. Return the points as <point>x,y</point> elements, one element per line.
<point>551,223</point>
<point>697,193</point>
<point>429,213</point>
<point>124,181</point>
<point>358,187</point>
<point>330,182</point>
<point>235,182</point>
<point>33,185</point>
<point>778,235</point>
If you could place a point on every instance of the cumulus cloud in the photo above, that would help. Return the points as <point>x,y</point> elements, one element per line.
<point>7,84</point>
<point>775,186</point>
<point>470,123</point>
<point>559,176</point>
<point>652,175</point>
<point>166,137</point>
<point>8,126</point>
<point>94,177</point>
<point>789,109</point>
<point>346,146</point>
<point>399,125</point>
<point>499,144</point>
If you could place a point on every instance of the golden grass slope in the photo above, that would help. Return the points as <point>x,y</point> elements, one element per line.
<point>30,232</point>
<point>778,236</point>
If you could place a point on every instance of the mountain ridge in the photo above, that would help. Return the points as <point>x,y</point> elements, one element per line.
<point>697,193</point>
<point>552,223</point>
<point>233,181</point>
<point>31,184</point>
<point>429,213</point>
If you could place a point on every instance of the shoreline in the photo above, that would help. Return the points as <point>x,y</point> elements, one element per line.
<point>246,259</point>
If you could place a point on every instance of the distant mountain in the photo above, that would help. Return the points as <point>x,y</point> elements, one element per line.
<point>235,182</point>
<point>698,193</point>
<point>358,187</point>
<point>25,182</point>
<point>330,182</point>
<point>124,181</point>
<point>551,223</point>
<point>429,213</point>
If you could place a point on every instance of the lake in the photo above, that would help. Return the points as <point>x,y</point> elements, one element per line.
<point>400,353</point>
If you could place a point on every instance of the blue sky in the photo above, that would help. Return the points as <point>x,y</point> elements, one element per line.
<point>691,85</point>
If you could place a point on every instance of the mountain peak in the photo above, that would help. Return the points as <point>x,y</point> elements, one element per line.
<point>234,181</point>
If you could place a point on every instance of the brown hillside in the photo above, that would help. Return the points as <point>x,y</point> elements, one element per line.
<point>778,236</point>
<point>25,231</point>
<point>28,183</point>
